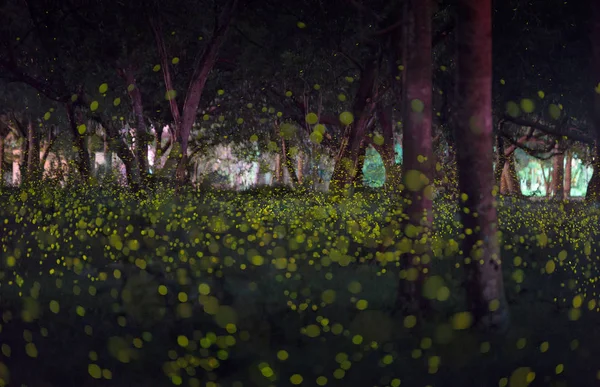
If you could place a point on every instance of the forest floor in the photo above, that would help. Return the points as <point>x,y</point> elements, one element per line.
<point>276,289</point>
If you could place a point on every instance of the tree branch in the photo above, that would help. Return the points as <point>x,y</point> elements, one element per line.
<point>570,133</point>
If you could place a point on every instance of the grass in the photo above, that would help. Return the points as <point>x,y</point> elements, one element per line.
<point>273,288</point>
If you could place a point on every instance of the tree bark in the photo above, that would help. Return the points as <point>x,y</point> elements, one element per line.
<point>125,154</point>
<point>387,151</point>
<point>359,176</point>
<point>289,163</point>
<point>345,163</point>
<point>510,184</point>
<point>547,180</point>
<point>568,175</point>
<point>300,167</point>
<point>278,169</point>
<point>484,282</point>
<point>107,153</point>
<point>83,157</point>
<point>33,154</point>
<point>1,160</point>
<point>52,135</point>
<point>593,188</point>
<point>184,119</point>
<point>141,129</point>
<point>21,125</point>
<point>417,168</point>
<point>558,174</point>
<point>500,161</point>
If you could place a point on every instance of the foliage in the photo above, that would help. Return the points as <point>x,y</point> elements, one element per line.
<point>172,286</point>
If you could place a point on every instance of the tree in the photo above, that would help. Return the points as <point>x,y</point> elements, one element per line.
<point>417,142</point>
<point>184,115</point>
<point>593,191</point>
<point>484,283</point>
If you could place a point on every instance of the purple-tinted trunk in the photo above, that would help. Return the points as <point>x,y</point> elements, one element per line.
<point>481,246</point>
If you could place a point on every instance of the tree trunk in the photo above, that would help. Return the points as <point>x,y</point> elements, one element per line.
<point>510,184</point>
<point>52,135</point>
<point>547,179</point>
<point>484,283</point>
<point>185,119</point>
<point>289,163</point>
<point>359,176</point>
<point>124,154</point>
<point>107,154</point>
<point>24,148</point>
<point>387,151</point>
<point>558,174</point>
<point>141,129</point>
<point>593,189</point>
<point>278,169</point>
<point>500,162</point>
<point>158,132</point>
<point>568,175</point>
<point>344,169</point>
<point>1,160</point>
<point>300,167</point>
<point>83,158</point>
<point>33,154</point>
<point>417,169</point>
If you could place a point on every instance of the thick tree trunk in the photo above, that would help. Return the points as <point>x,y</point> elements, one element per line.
<point>1,160</point>
<point>547,179</point>
<point>107,154</point>
<point>83,157</point>
<point>185,119</point>
<point>300,167</point>
<point>125,155</point>
<point>158,133</point>
<point>558,174</point>
<point>500,162</point>
<point>359,176</point>
<point>141,129</point>
<point>387,151</point>
<point>593,189</point>
<point>510,184</point>
<point>52,135</point>
<point>24,148</point>
<point>418,156</point>
<point>33,154</point>
<point>278,169</point>
<point>289,163</point>
<point>568,175</point>
<point>345,163</point>
<point>485,288</point>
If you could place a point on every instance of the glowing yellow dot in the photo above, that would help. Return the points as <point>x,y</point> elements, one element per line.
<point>182,341</point>
<point>31,350</point>
<point>462,320</point>
<point>95,371</point>
<point>410,321</point>
<point>204,289</point>
<point>54,306</point>
<point>362,304</point>
<point>282,355</point>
